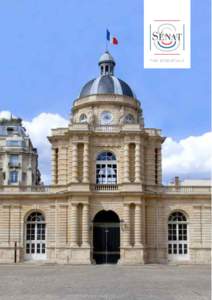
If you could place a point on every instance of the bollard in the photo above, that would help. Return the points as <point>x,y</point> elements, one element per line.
<point>15,252</point>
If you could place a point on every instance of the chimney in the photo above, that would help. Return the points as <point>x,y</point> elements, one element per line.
<point>177,181</point>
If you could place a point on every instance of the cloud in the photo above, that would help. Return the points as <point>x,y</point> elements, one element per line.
<point>188,158</point>
<point>5,114</point>
<point>38,129</point>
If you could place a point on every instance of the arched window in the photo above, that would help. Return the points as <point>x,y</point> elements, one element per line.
<point>35,236</point>
<point>106,168</point>
<point>177,234</point>
<point>129,119</point>
<point>83,118</point>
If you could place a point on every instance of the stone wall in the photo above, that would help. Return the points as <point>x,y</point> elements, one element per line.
<point>69,226</point>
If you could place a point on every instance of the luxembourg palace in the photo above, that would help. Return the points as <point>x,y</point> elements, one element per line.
<point>106,202</point>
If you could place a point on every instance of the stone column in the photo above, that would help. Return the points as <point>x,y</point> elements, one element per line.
<point>74,229</point>
<point>85,225</point>
<point>85,163</point>
<point>126,240</point>
<point>137,225</point>
<point>74,163</point>
<point>126,163</point>
<point>137,162</point>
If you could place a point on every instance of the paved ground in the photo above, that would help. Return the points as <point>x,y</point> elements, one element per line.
<point>108,282</point>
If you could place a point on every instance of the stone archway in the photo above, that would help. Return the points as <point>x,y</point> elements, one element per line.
<point>106,237</point>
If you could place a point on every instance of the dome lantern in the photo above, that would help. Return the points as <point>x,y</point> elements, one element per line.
<point>106,83</point>
<point>106,64</point>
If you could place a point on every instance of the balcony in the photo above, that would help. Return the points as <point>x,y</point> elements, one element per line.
<point>18,188</point>
<point>105,187</point>
<point>15,144</point>
<point>107,128</point>
<point>14,164</point>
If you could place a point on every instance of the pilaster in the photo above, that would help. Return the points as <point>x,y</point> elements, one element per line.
<point>137,225</point>
<point>126,163</point>
<point>85,225</point>
<point>74,163</point>
<point>74,231</point>
<point>137,162</point>
<point>85,163</point>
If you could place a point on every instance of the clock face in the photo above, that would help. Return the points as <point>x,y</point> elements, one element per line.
<point>106,117</point>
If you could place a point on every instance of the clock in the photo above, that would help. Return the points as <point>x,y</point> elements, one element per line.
<point>106,118</point>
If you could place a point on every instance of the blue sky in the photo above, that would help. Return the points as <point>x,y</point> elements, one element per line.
<point>50,49</point>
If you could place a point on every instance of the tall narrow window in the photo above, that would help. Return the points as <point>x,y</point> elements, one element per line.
<point>13,177</point>
<point>177,234</point>
<point>106,168</point>
<point>156,166</point>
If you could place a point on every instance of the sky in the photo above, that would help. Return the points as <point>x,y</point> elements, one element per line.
<point>50,49</point>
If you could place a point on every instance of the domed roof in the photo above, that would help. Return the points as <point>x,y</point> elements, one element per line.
<point>107,83</point>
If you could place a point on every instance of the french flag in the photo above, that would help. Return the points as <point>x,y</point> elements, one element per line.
<point>113,40</point>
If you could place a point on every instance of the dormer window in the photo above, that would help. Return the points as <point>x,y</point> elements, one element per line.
<point>129,119</point>
<point>83,118</point>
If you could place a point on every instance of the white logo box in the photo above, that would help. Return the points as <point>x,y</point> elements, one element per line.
<point>167,34</point>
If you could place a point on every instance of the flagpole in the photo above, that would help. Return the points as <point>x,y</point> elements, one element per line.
<point>107,32</point>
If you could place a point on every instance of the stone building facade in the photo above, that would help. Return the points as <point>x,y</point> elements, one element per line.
<point>18,157</point>
<point>106,203</point>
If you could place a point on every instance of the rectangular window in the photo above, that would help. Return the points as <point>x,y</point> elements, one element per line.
<point>14,158</point>
<point>170,249</point>
<point>15,143</point>
<point>13,177</point>
<point>27,248</point>
<point>43,248</point>
<point>38,248</point>
<point>33,248</point>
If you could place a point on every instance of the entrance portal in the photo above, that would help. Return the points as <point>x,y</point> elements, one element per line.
<point>35,237</point>
<point>106,237</point>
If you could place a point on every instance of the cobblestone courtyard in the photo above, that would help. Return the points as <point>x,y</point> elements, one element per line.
<point>107,282</point>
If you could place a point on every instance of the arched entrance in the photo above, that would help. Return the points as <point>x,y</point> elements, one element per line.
<point>35,243</point>
<point>106,237</point>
